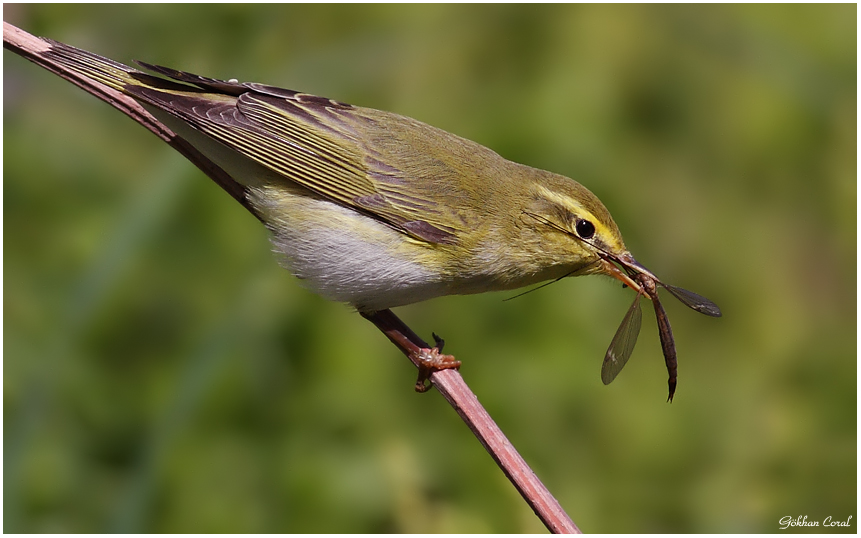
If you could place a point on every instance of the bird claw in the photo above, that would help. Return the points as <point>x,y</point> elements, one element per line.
<point>432,360</point>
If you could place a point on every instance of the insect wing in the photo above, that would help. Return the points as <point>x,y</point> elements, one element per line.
<point>694,301</point>
<point>623,343</point>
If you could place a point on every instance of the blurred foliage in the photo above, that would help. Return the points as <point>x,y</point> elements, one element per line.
<point>162,373</point>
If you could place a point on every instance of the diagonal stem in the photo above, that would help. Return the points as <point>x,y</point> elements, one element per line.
<point>454,389</point>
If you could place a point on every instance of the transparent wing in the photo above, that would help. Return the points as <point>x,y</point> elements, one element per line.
<point>692,300</point>
<point>623,343</point>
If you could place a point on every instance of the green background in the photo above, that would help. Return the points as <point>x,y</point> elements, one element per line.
<point>162,373</point>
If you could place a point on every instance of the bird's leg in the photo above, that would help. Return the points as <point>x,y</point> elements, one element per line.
<point>430,361</point>
<point>427,359</point>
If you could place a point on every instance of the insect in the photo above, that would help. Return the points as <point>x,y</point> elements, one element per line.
<point>634,275</point>
<point>626,335</point>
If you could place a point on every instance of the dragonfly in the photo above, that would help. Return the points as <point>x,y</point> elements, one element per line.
<point>634,275</point>
<point>646,284</point>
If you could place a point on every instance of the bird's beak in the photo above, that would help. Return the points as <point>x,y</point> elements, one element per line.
<point>629,267</point>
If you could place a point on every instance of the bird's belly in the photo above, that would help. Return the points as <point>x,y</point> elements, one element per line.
<point>337,252</point>
<point>346,256</point>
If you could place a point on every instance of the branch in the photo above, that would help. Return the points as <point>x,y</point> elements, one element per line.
<point>454,389</point>
<point>449,382</point>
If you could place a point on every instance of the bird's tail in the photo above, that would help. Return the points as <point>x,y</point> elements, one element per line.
<point>98,75</point>
<point>131,81</point>
<point>91,66</point>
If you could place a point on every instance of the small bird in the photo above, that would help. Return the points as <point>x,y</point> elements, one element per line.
<point>378,210</point>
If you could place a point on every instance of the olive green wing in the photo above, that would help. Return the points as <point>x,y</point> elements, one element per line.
<point>336,150</point>
<point>418,179</point>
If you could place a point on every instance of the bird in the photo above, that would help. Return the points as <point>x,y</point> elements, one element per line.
<point>378,210</point>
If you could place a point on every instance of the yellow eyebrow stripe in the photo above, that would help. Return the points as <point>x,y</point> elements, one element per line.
<point>571,204</point>
<point>568,203</point>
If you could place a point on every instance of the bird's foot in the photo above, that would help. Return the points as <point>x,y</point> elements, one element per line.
<point>432,360</point>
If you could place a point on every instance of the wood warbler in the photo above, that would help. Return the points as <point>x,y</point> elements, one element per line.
<point>379,210</point>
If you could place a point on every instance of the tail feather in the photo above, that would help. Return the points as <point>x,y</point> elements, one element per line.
<point>92,66</point>
<point>124,78</point>
<point>98,75</point>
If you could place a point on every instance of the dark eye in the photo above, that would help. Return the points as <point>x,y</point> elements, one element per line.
<point>584,228</point>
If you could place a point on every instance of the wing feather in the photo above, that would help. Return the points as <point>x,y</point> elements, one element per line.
<point>310,140</point>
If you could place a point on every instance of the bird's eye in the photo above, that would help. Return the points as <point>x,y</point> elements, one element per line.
<point>584,228</point>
